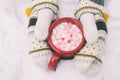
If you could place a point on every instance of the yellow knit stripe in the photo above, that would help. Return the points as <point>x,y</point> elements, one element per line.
<point>38,50</point>
<point>87,7</point>
<point>28,11</point>
<point>45,3</point>
<point>101,37</point>
<point>91,56</point>
<point>105,15</point>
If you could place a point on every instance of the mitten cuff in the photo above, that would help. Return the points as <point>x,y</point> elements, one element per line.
<point>45,5</point>
<point>87,6</point>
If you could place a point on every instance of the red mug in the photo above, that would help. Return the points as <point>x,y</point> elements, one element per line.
<point>65,38</point>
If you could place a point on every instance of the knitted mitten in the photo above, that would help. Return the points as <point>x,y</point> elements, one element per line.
<point>90,13</point>
<point>41,16</point>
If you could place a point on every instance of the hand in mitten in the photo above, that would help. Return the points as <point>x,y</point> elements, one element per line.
<point>41,16</point>
<point>90,13</point>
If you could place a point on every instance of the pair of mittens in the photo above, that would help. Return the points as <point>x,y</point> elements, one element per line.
<point>41,14</point>
<point>91,14</point>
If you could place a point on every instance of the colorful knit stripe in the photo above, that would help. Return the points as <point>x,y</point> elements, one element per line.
<point>100,2</point>
<point>91,56</point>
<point>38,50</point>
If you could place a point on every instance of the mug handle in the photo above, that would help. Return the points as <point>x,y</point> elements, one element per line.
<point>53,62</point>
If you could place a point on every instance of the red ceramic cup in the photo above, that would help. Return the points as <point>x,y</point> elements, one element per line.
<point>65,38</point>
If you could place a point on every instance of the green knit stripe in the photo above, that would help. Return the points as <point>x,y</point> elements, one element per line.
<point>100,2</point>
<point>32,21</point>
<point>38,50</point>
<point>101,26</point>
<point>91,56</point>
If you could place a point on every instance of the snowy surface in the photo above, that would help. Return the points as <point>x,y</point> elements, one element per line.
<point>15,64</point>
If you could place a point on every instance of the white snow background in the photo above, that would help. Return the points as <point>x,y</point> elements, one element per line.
<point>15,63</point>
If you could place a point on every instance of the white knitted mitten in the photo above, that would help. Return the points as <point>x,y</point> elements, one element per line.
<point>42,14</point>
<point>90,13</point>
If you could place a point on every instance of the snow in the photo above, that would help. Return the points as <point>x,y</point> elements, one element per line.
<point>16,64</point>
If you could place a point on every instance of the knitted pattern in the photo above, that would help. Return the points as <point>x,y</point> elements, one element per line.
<point>88,6</point>
<point>39,50</point>
<point>88,59</point>
<point>45,5</point>
<point>90,55</point>
<point>38,47</point>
